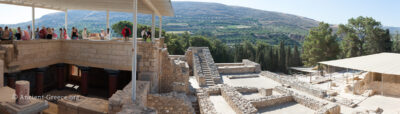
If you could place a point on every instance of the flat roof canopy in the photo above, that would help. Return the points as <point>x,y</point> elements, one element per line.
<point>385,63</point>
<point>305,69</point>
<point>158,7</point>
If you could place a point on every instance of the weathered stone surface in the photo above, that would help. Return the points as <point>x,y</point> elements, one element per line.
<point>22,92</point>
<point>175,103</point>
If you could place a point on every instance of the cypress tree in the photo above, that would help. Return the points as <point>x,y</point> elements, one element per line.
<point>282,57</point>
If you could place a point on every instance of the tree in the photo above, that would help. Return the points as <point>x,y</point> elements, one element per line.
<point>200,41</point>
<point>261,55</point>
<point>186,36</point>
<point>282,57</point>
<point>363,35</point>
<point>396,42</point>
<point>296,57</point>
<point>288,60</point>
<point>320,45</point>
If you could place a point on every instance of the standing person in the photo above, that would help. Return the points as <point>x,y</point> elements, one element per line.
<point>6,34</point>
<point>25,35</point>
<point>49,34</point>
<point>102,34</point>
<point>1,32</point>
<point>144,33</point>
<point>43,33</point>
<point>11,35</point>
<point>54,33</point>
<point>61,36</point>
<point>84,33</point>
<point>18,33</point>
<point>29,30</point>
<point>37,33</point>
<point>108,34</point>
<point>126,32</point>
<point>74,34</point>
<point>65,34</point>
<point>148,35</point>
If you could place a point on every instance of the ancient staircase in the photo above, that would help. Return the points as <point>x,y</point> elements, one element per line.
<point>206,71</point>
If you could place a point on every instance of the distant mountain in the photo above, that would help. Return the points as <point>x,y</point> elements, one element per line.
<point>231,24</point>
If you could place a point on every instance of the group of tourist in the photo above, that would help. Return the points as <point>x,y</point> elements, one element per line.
<point>46,33</point>
<point>146,34</point>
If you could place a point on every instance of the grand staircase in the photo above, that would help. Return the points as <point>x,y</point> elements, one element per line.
<point>206,71</point>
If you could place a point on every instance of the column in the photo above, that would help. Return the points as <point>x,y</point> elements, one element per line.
<point>134,60</point>
<point>33,22</point>
<point>84,78</point>
<point>112,81</point>
<point>40,80</point>
<point>11,78</point>
<point>153,27</point>
<point>60,76</point>
<point>66,22</point>
<point>160,28</point>
<point>108,19</point>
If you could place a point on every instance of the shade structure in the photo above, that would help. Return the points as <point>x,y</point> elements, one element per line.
<point>305,69</point>
<point>385,63</point>
<point>158,7</point>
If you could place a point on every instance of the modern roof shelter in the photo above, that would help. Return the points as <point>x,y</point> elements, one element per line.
<point>385,63</point>
<point>153,7</point>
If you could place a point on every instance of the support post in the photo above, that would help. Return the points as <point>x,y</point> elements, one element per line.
<point>60,76</point>
<point>40,80</point>
<point>66,22</point>
<point>134,60</point>
<point>108,19</point>
<point>160,28</point>
<point>112,81</point>
<point>33,23</point>
<point>153,27</point>
<point>84,78</point>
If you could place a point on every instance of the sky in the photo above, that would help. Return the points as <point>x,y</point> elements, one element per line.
<point>330,11</point>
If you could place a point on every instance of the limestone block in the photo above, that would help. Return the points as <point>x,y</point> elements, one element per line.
<point>265,92</point>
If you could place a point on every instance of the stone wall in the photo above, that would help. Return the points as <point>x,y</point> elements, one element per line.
<point>102,54</point>
<point>271,100</point>
<point>170,103</point>
<point>294,83</point>
<point>246,66</point>
<point>196,54</point>
<point>205,104</point>
<point>123,97</point>
<point>389,87</point>
<point>175,73</point>
<point>238,103</point>
<point>82,105</point>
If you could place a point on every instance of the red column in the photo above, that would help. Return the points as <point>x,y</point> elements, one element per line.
<point>39,82</point>
<point>112,81</point>
<point>84,85</point>
<point>11,80</point>
<point>60,76</point>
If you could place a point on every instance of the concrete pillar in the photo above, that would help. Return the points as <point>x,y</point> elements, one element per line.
<point>112,81</point>
<point>22,92</point>
<point>153,26</point>
<point>134,45</point>
<point>11,77</point>
<point>60,76</point>
<point>33,23</point>
<point>39,80</point>
<point>160,28</point>
<point>84,78</point>
<point>66,22</point>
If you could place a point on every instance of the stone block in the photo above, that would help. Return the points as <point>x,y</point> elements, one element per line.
<point>265,92</point>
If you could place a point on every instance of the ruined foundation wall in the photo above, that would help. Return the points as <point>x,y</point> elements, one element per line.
<point>238,103</point>
<point>246,66</point>
<point>294,83</point>
<point>175,74</point>
<point>271,100</point>
<point>170,103</point>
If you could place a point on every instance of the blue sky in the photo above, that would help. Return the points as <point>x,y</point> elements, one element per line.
<point>331,11</point>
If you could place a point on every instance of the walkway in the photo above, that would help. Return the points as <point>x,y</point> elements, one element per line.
<point>220,105</point>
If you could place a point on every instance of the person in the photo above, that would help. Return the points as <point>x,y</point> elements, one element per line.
<point>144,33</point>
<point>37,33</point>
<point>49,33</point>
<point>25,35</point>
<point>61,34</point>
<point>148,35</point>
<point>102,34</point>
<point>84,33</point>
<point>43,33</point>
<point>65,34</point>
<point>1,32</point>
<point>6,34</point>
<point>11,34</point>
<point>74,34</point>
<point>54,33</point>
<point>29,30</point>
<point>126,32</point>
<point>18,33</point>
<point>108,35</point>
